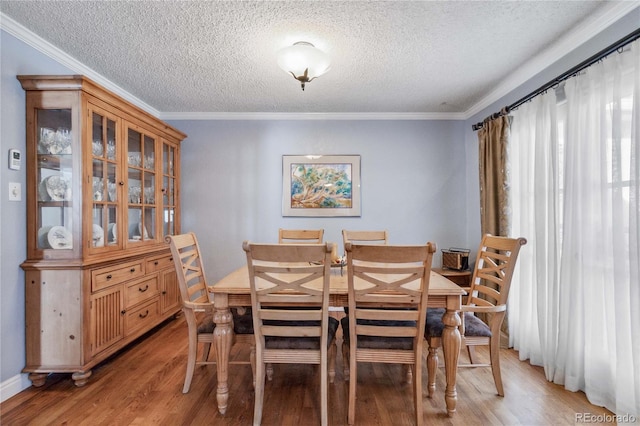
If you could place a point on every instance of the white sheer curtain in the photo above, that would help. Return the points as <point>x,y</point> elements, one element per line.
<point>575,188</point>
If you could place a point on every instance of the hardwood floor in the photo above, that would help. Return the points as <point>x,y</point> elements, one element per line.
<point>143,386</point>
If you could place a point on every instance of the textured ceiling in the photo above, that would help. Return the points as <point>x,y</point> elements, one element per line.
<point>387,56</point>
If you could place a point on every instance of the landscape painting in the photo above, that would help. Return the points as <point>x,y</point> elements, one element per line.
<point>321,185</point>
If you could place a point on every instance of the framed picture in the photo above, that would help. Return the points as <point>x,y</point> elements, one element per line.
<point>321,185</point>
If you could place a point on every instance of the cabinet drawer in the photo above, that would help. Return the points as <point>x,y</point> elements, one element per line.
<point>105,277</point>
<point>159,263</point>
<point>140,290</point>
<point>142,317</point>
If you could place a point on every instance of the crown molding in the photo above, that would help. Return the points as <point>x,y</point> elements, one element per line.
<point>578,36</point>
<point>21,33</point>
<point>310,116</point>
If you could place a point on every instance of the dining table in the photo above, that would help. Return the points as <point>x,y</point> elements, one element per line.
<point>233,291</point>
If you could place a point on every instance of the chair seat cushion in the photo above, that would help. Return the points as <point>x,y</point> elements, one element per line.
<point>473,326</point>
<point>242,322</point>
<point>207,325</point>
<point>379,342</point>
<point>277,342</point>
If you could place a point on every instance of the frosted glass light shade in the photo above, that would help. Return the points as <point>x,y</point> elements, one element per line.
<point>303,57</point>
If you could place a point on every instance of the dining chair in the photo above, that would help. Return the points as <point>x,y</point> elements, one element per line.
<point>198,308</point>
<point>290,301</point>
<point>388,288</point>
<point>300,236</point>
<point>365,237</point>
<point>495,262</point>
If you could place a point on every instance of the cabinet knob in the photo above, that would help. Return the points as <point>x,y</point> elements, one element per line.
<point>164,292</point>
<point>109,277</point>
<point>142,290</point>
<point>132,270</point>
<point>156,263</point>
<point>144,315</point>
<point>122,312</point>
<point>121,183</point>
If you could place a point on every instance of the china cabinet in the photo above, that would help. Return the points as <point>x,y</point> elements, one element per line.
<point>102,193</point>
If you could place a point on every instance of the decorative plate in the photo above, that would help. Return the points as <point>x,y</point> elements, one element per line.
<point>43,237</point>
<point>59,237</point>
<point>112,232</point>
<point>58,188</point>
<point>143,231</point>
<point>43,194</point>
<point>98,236</point>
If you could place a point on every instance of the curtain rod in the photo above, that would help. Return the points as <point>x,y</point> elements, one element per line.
<point>568,74</point>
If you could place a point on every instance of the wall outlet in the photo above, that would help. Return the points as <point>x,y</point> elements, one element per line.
<point>15,191</point>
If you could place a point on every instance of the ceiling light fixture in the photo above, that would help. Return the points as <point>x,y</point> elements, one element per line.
<point>303,61</point>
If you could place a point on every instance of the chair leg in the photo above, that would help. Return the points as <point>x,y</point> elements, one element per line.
<point>495,364</point>
<point>252,361</point>
<point>471,350</point>
<point>345,360</point>
<point>407,373</point>
<point>332,361</point>
<point>205,352</point>
<point>269,371</point>
<point>324,391</point>
<point>191,362</point>
<point>432,367</point>
<point>417,391</point>
<point>353,378</point>
<point>259,393</point>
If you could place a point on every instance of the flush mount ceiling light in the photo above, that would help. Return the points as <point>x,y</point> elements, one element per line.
<point>303,61</point>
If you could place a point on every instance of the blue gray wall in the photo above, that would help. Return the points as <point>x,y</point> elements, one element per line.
<point>412,181</point>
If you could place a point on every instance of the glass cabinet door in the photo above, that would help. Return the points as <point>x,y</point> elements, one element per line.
<point>169,199</point>
<point>54,177</point>
<point>141,186</point>
<point>104,181</point>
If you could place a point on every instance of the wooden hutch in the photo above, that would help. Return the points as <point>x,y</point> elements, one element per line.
<point>103,179</point>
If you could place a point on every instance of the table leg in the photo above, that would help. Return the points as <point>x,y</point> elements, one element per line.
<point>451,348</point>
<point>222,340</point>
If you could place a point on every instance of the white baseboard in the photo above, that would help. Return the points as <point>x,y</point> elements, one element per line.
<point>14,386</point>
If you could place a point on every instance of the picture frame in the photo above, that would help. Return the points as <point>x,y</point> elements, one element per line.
<point>321,185</point>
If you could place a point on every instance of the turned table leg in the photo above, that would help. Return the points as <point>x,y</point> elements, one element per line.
<point>451,348</point>
<point>222,339</point>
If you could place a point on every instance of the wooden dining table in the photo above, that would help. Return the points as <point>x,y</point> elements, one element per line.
<point>233,291</point>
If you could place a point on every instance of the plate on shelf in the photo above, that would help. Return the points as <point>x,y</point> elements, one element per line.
<point>58,188</point>
<point>59,237</point>
<point>43,194</point>
<point>43,237</point>
<point>143,231</point>
<point>112,233</point>
<point>98,236</point>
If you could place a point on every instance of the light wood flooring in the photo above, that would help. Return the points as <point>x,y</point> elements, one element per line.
<point>143,386</point>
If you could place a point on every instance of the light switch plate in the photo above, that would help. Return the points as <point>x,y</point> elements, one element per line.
<point>15,191</point>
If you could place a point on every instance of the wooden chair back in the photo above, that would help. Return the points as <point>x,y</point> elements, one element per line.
<point>290,301</point>
<point>196,305</point>
<point>491,281</point>
<point>388,290</point>
<point>300,236</point>
<point>485,309</point>
<point>364,237</point>
<point>191,275</point>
